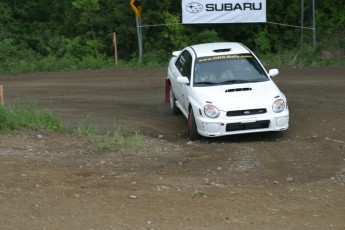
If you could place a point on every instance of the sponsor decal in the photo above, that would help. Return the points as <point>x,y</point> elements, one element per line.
<point>194,7</point>
<point>223,11</point>
<point>215,58</point>
<point>233,7</point>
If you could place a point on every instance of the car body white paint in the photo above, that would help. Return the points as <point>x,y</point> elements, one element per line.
<point>227,97</point>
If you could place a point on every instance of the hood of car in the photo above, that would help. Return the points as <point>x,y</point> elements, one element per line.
<point>239,96</point>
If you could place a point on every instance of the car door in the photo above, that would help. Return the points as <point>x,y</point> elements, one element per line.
<point>184,67</point>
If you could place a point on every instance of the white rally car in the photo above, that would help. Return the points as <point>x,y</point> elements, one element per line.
<point>223,89</point>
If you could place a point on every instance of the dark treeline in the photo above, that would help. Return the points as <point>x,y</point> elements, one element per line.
<point>77,29</point>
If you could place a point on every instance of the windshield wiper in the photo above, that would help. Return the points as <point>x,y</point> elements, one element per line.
<point>206,83</point>
<point>234,82</point>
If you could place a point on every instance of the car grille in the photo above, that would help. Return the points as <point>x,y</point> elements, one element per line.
<point>246,126</point>
<point>245,112</point>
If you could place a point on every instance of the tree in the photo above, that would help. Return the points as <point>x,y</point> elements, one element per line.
<point>34,29</point>
<point>89,9</point>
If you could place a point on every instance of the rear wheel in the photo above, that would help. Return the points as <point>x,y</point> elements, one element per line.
<point>192,128</point>
<point>173,107</point>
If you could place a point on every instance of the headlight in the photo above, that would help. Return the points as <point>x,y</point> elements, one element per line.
<point>278,106</point>
<point>211,111</point>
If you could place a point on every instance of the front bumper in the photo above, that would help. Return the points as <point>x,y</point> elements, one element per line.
<point>223,125</point>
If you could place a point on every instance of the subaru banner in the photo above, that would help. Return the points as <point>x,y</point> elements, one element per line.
<point>223,11</point>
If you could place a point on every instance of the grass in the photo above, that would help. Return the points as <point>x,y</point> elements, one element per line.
<point>85,128</point>
<point>118,141</point>
<point>51,64</point>
<point>20,116</point>
<point>115,141</point>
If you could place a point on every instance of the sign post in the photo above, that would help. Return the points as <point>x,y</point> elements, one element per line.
<point>1,95</point>
<point>314,33</point>
<point>136,6</point>
<point>115,47</point>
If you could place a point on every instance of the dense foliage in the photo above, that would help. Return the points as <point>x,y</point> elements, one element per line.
<point>57,34</point>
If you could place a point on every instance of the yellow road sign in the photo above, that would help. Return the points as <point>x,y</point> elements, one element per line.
<point>136,6</point>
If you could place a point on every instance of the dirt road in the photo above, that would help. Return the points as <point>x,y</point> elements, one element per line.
<point>289,180</point>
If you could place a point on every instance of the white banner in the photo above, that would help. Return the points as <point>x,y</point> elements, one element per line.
<point>223,11</point>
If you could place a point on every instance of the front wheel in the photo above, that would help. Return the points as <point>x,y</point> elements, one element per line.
<point>192,128</point>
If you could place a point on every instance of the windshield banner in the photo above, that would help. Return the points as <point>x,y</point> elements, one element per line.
<point>223,11</point>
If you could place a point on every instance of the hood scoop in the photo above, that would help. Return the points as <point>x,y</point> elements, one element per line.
<point>237,90</point>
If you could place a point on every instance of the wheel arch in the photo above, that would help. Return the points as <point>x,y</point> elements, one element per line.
<point>192,125</point>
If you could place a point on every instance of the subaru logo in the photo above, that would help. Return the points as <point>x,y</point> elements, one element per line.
<point>194,7</point>
<point>246,112</point>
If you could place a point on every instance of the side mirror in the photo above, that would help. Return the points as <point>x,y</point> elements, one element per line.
<point>273,72</point>
<point>176,53</point>
<point>182,80</point>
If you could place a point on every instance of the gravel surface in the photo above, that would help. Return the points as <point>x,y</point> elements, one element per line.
<point>289,180</point>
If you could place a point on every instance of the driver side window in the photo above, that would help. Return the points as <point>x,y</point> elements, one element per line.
<point>184,64</point>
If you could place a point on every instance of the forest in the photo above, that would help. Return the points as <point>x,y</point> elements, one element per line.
<point>47,35</point>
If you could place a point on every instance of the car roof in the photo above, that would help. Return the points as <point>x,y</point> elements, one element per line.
<point>219,48</point>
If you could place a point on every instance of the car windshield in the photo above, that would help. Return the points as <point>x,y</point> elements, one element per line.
<point>227,69</point>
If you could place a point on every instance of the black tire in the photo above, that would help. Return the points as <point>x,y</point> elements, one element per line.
<point>192,128</point>
<point>173,107</point>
